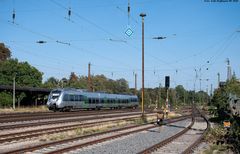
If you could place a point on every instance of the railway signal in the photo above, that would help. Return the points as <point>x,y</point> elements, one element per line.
<point>167,84</point>
<point>167,81</point>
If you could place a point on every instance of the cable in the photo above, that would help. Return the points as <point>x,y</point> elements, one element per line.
<point>84,19</point>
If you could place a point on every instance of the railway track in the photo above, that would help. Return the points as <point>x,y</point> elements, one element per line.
<point>13,117</point>
<point>7,118</point>
<point>64,120</point>
<point>82,141</point>
<point>182,142</point>
<point>39,132</point>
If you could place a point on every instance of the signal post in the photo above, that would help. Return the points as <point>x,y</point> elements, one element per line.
<point>167,84</point>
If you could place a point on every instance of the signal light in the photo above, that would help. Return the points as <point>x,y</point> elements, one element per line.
<point>167,81</point>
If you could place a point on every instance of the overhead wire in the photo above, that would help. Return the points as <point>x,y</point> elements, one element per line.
<point>66,43</point>
<point>158,59</point>
<point>99,27</point>
<point>51,59</point>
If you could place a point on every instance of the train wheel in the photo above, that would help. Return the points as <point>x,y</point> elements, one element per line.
<point>54,108</point>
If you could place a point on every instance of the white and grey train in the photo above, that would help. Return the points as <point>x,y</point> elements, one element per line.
<point>68,99</point>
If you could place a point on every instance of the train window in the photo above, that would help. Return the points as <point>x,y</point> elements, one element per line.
<point>119,101</point>
<point>81,98</point>
<point>97,101</point>
<point>66,97</point>
<point>76,98</point>
<point>55,94</point>
<point>93,101</point>
<point>102,100</point>
<point>71,97</point>
<point>108,101</point>
<point>111,101</point>
<point>89,101</point>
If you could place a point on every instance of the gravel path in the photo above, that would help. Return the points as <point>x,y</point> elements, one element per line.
<point>76,142</point>
<point>178,145</point>
<point>135,142</point>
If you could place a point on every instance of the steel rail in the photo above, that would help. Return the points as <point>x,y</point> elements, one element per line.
<point>32,148</point>
<point>34,133</point>
<point>166,141</point>
<point>70,148</point>
<point>200,139</point>
<point>30,116</point>
<point>58,121</point>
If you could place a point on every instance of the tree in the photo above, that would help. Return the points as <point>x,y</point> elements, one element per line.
<point>180,94</point>
<point>233,86</point>
<point>5,53</point>
<point>51,83</point>
<point>5,99</point>
<point>220,97</point>
<point>101,83</point>
<point>25,74</point>
<point>122,86</point>
<point>73,77</point>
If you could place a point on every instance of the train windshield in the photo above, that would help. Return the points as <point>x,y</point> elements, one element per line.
<point>55,94</point>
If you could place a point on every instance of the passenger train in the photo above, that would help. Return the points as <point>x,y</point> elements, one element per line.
<point>68,99</point>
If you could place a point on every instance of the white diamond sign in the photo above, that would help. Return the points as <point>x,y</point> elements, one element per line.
<point>129,32</point>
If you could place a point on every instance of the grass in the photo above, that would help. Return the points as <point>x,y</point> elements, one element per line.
<point>99,128</point>
<point>216,138</point>
<point>215,134</point>
<point>42,108</point>
<point>217,149</point>
<point>95,129</point>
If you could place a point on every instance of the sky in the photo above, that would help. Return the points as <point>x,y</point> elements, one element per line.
<point>200,36</point>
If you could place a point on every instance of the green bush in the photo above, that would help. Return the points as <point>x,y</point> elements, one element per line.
<point>5,99</point>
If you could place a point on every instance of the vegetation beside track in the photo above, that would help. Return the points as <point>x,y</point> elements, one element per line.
<point>216,139</point>
<point>102,127</point>
<point>97,129</point>
<point>42,108</point>
<point>224,139</point>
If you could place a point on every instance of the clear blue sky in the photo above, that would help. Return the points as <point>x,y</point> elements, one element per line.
<point>196,31</point>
